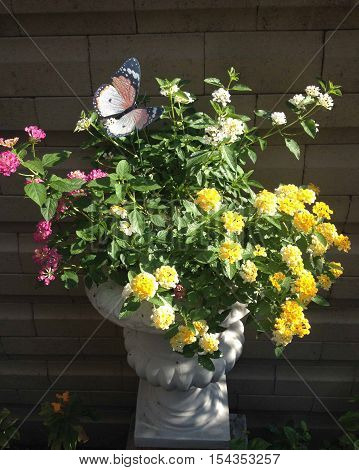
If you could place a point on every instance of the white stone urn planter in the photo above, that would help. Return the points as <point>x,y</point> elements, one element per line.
<point>180,404</point>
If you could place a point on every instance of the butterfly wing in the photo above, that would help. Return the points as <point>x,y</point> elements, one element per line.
<point>135,119</point>
<point>121,95</point>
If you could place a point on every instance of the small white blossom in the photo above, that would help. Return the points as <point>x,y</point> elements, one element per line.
<point>312,90</point>
<point>127,291</point>
<point>82,124</point>
<point>126,228</point>
<point>298,101</point>
<point>326,101</point>
<point>278,119</point>
<point>227,128</point>
<point>221,96</point>
<point>169,90</point>
<point>232,128</point>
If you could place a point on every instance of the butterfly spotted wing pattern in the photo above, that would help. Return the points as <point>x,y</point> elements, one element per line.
<point>116,102</point>
<point>114,99</point>
<point>136,119</point>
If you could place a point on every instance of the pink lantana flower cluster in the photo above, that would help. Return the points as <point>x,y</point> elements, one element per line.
<point>9,162</point>
<point>48,259</point>
<point>93,175</point>
<point>35,133</point>
<point>43,231</point>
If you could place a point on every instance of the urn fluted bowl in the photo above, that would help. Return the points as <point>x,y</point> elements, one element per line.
<point>149,352</point>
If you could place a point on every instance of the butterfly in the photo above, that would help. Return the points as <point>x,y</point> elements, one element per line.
<point>116,102</point>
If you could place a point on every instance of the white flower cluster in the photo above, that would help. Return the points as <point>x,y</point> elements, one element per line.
<point>227,129</point>
<point>221,96</point>
<point>126,228</point>
<point>313,95</point>
<point>278,119</point>
<point>82,124</point>
<point>326,101</point>
<point>170,90</point>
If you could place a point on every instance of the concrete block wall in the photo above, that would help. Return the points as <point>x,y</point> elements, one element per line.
<point>279,47</point>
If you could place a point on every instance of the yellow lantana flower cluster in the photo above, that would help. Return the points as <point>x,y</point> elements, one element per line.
<point>292,256</point>
<point>163,317</point>
<point>305,287</point>
<point>208,199</point>
<point>291,322</point>
<point>336,269</point>
<point>207,341</point>
<point>233,222</point>
<point>249,271</point>
<point>167,277</point>
<point>304,221</point>
<point>342,242</point>
<point>259,251</point>
<point>266,203</point>
<point>145,285</point>
<point>322,210</point>
<point>324,281</point>
<point>184,337</point>
<point>292,199</point>
<point>275,279</point>
<point>230,251</point>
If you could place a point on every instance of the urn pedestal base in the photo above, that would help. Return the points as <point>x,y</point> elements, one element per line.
<point>193,419</point>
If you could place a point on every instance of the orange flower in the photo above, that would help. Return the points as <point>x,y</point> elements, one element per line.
<point>56,407</point>
<point>65,397</point>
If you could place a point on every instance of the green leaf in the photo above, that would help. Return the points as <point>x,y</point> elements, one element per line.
<point>36,192</point>
<point>213,81</point>
<point>206,362</point>
<point>48,210</point>
<point>318,299</point>
<point>52,159</point>
<point>229,157</point>
<point>70,279</point>
<point>129,308</point>
<point>309,127</point>
<point>252,155</point>
<point>137,221</point>
<point>230,269</point>
<point>293,147</point>
<point>34,165</point>
<point>240,87</point>
<point>158,220</point>
<point>123,169</point>
<point>143,185</point>
<point>64,185</point>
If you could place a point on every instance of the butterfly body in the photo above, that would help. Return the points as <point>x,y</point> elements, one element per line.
<point>116,102</point>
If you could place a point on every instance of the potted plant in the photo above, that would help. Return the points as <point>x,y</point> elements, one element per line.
<point>177,242</point>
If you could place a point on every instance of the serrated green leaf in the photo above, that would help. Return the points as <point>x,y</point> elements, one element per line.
<point>36,192</point>
<point>123,169</point>
<point>52,159</point>
<point>309,127</point>
<point>137,221</point>
<point>70,279</point>
<point>206,362</point>
<point>48,210</point>
<point>318,299</point>
<point>293,147</point>
<point>34,165</point>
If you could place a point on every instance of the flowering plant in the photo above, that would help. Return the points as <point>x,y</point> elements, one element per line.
<point>173,216</point>
<point>63,418</point>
